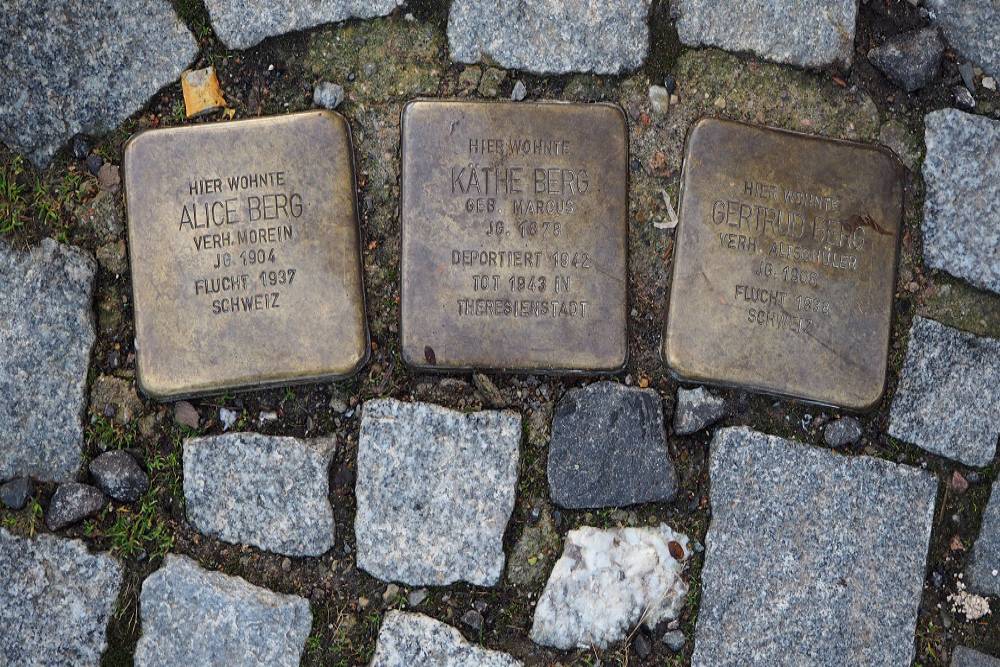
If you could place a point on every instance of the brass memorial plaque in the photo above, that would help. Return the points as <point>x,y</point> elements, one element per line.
<point>245,258</point>
<point>514,221</point>
<point>785,264</point>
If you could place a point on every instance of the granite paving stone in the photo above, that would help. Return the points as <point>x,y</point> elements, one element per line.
<point>947,394</point>
<point>192,616</point>
<point>982,575</point>
<point>962,173</point>
<point>544,37</point>
<point>271,492</point>
<point>46,331</point>
<point>607,582</point>
<point>970,26</point>
<point>241,24</point>
<point>967,657</point>
<point>609,448</point>
<point>74,66</point>
<point>414,640</point>
<point>55,601</point>
<point>435,489</point>
<point>811,557</point>
<point>813,33</point>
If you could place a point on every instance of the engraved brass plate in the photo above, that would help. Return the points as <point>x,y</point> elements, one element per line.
<point>514,221</point>
<point>244,251</point>
<point>785,264</point>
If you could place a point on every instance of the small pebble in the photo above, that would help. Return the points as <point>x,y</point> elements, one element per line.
<point>964,98</point>
<point>989,83</point>
<point>81,147</point>
<point>842,432</point>
<point>286,565</point>
<point>958,483</point>
<point>416,597</point>
<point>659,99</point>
<point>94,163</point>
<point>390,594</point>
<point>674,640</point>
<point>473,619</point>
<point>641,646</point>
<point>968,76</point>
<point>519,92</point>
<point>328,95</point>
<point>15,493</point>
<point>228,418</point>
<point>670,83</point>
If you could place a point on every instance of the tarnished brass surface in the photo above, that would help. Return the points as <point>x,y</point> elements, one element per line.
<point>244,251</point>
<point>514,220</point>
<point>785,264</point>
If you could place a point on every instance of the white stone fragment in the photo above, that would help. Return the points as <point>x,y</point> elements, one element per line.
<point>609,581</point>
<point>415,640</point>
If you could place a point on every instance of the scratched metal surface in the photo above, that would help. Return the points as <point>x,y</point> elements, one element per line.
<point>243,284</point>
<point>521,266</point>
<point>785,264</point>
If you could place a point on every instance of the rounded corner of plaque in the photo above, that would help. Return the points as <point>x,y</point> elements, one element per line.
<point>891,158</point>
<point>409,359</point>
<point>154,390</point>
<point>409,105</point>
<point>867,403</point>
<point>617,111</point>
<point>703,121</point>
<point>335,117</point>
<point>360,359</point>
<point>619,364</point>
<point>135,140</point>
<point>669,356</point>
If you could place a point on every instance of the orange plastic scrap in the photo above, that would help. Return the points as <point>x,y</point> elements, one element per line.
<point>202,93</point>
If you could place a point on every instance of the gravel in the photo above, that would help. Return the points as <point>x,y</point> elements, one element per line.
<point>962,173</point>
<point>55,601</point>
<point>806,33</point>
<point>609,448</point>
<point>47,331</point>
<point>15,494</point>
<point>696,409</point>
<point>328,95</point>
<point>820,558</point>
<point>83,66</point>
<point>191,616</point>
<point>271,492</point>
<point>519,92</point>
<point>241,24</point>
<point>607,582</point>
<point>970,26</point>
<point>947,394</point>
<point>842,432</point>
<point>435,489</point>
<point>674,640</point>
<point>911,60</point>
<point>599,36</point>
<point>119,475</point>
<point>414,640</point>
<point>983,573</point>
<point>73,502</point>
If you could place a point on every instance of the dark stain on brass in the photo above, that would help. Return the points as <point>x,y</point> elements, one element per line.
<point>514,220</point>
<point>245,254</point>
<point>785,264</point>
